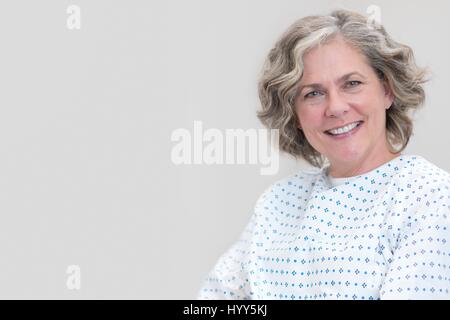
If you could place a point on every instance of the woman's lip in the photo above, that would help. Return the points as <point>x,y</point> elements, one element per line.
<point>347,134</point>
<point>344,125</point>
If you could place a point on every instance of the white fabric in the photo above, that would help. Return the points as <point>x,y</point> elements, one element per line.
<point>380,235</point>
<point>338,181</point>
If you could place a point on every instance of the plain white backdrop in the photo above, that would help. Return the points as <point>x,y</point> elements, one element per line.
<point>86,176</point>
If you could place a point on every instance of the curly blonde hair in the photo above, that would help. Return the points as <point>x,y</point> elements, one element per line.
<point>392,61</point>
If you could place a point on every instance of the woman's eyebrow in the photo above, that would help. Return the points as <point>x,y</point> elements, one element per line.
<point>341,79</point>
<point>311,85</point>
<point>348,75</point>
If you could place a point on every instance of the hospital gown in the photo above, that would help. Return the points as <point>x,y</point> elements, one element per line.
<point>380,235</point>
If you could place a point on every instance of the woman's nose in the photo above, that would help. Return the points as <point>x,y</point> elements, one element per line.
<point>336,105</point>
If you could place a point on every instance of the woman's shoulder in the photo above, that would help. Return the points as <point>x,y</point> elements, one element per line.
<point>291,186</point>
<point>420,171</point>
<point>298,180</point>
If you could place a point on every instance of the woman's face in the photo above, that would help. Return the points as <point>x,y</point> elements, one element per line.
<point>339,88</point>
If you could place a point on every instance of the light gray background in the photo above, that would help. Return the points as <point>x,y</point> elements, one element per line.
<point>86,117</point>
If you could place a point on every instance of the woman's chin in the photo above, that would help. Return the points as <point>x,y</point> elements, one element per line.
<point>344,155</point>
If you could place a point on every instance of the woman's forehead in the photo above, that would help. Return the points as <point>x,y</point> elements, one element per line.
<point>333,59</point>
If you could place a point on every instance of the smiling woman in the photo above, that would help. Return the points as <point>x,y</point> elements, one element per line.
<point>343,112</point>
<point>330,62</point>
<point>368,222</point>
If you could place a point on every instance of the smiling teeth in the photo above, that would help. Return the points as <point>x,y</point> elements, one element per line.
<point>343,129</point>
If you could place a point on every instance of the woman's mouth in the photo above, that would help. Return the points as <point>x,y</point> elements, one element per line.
<point>344,132</point>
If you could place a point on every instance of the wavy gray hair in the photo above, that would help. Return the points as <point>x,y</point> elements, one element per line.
<point>392,61</point>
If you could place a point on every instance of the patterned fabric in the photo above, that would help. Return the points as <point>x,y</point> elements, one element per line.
<point>380,235</point>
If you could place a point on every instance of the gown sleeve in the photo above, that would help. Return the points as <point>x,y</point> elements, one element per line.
<point>420,266</point>
<point>229,278</point>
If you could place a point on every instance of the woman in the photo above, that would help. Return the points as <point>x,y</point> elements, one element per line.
<point>369,222</point>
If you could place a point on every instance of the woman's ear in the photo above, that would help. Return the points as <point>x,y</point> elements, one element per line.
<point>388,95</point>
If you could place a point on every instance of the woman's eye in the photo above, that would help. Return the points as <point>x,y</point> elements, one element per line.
<point>312,94</point>
<point>353,83</point>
